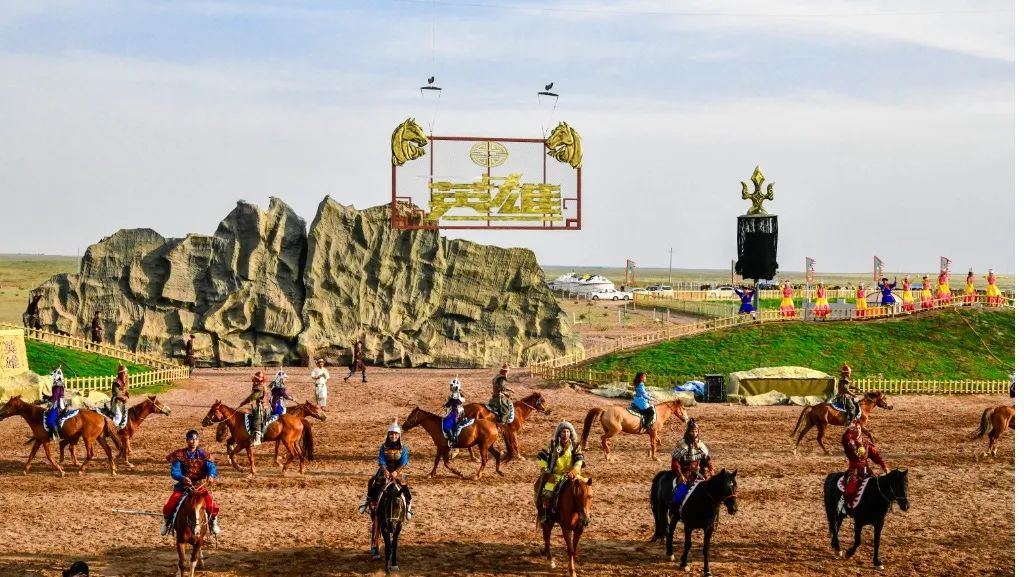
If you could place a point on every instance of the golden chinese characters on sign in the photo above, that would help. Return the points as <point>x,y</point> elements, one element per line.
<point>493,183</point>
<point>13,359</point>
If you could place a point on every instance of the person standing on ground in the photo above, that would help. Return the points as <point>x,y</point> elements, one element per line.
<point>357,361</point>
<point>96,330</point>
<point>320,377</point>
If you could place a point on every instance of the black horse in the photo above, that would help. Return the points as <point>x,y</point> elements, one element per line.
<point>876,501</point>
<point>700,511</point>
<point>388,520</point>
<point>662,488</point>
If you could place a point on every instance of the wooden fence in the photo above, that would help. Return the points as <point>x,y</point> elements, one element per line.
<point>136,380</point>
<point>80,344</point>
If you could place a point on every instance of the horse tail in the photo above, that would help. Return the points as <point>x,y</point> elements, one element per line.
<point>594,413</point>
<point>657,509</point>
<point>307,440</point>
<point>985,426</point>
<point>109,430</point>
<point>800,420</point>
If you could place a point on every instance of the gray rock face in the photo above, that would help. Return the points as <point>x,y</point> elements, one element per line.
<point>262,291</point>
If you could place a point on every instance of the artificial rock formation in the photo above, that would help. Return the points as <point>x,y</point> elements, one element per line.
<point>262,291</point>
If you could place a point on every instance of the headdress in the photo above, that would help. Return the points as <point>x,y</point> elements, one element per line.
<point>395,427</point>
<point>191,434</point>
<point>455,384</point>
<point>280,375</point>
<point>58,376</point>
<point>572,432</point>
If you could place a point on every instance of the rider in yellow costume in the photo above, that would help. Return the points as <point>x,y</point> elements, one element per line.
<point>562,460</point>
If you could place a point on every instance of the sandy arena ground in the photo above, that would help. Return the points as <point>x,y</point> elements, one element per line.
<point>960,521</point>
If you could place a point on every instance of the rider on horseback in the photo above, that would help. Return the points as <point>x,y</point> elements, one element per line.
<point>859,450</point>
<point>845,395</point>
<point>257,396</point>
<point>691,461</point>
<point>392,458</point>
<point>455,411</point>
<point>501,400</point>
<point>57,404</point>
<point>278,394</point>
<point>190,467</point>
<point>119,395</point>
<point>561,461</point>
<point>642,402</point>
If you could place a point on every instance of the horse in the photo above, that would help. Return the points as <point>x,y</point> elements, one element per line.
<point>191,526</point>
<point>89,426</point>
<point>572,514</point>
<point>824,414</point>
<point>287,427</point>
<point>700,511</point>
<point>994,422</point>
<point>876,501</point>
<point>481,434</point>
<point>306,409</point>
<point>564,145</point>
<point>617,419</point>
<point>523,409</point>
<point>662,489</point>
<point>387,522</point>
<point>136,415</point>
<point>407,142</point>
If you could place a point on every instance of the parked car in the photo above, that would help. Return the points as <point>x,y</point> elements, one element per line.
<point>660,290</point>
<point>610,295</point>
<point>722,292</point>
<point>637,291</point>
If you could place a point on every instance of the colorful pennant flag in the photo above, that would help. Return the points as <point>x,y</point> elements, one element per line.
<point>944,264</point>
<point>878,269</point>
<point>809,274</point>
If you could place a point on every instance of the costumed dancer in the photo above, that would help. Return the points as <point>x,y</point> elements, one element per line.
<point>787,308</point>
<point>561,461</point>
<point>887,287</point>
<point>57,404</point>
<point>821,308</point>
<point>257,396</point>
<point>943,294</point>
<point>193,471</point>
<point>392,457</point>
<point>859,450</point>
<point>993,296</point>
<point>320,377</point>
<point>358,365</point>
<point>908,295</point>
<point>862,301</point>
<point>927,301</point>
<point>691,461</point>
<point>119,396</point>
<point>642,401</point>
<point>970,294</point>
<point>746,300</point>
<point>279,393</point>
<point>455,411</point>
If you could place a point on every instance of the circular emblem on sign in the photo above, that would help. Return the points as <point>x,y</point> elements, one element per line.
<point>488,154</point>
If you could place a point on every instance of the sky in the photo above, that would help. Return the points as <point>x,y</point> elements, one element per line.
<point>887,127</point>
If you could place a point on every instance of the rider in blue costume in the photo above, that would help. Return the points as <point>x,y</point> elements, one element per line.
<point>278,394</point>
<point>455,410</point>
<point>392,458</point>
<point>57,404</point>
<point>643,402</point>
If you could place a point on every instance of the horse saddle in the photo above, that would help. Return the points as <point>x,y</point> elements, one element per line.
<point>120,422</point>
<point>841,485</point>
<point>267,421</point>
<point>61,419</point>
<point>453,435</point>
<point>509,409</point>
<point>632,410</point>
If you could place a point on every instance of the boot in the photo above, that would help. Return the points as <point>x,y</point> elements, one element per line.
<point>365,506</point>
<point>166,527</point>
<point>408,512</point>
<point>214,527</point>
<point>257,439</point>
<point>842,506</point>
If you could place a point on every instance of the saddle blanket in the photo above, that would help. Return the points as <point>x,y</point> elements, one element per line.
<point>689,491</point>
<point>511,411</point>
<point>60,419</point>
<point>459,425</point>
<point>841,484</point>
<point>119,423</point>
<point>266,423</point>
<point>632,410</point>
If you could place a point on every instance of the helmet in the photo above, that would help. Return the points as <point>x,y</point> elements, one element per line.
<point>566,425</point>
<point>692,425</point>
<point>281,374</point>
<point>455,384</point>
<point>395,427</point>
<point>58,376</point>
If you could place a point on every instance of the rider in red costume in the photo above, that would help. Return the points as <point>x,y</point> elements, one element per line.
<point>859,450</point>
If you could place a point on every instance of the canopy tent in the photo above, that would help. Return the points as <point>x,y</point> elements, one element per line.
<point>790,381</point>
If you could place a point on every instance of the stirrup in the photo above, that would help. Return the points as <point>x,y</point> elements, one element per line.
<point>166,528</point>
<point>214,527</point>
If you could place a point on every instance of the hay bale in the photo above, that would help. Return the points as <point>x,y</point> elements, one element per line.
<point>805,401</point>
<point>768,399</point>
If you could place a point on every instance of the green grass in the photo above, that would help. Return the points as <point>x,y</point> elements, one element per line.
<point>44,357</point>
<point>933,346</point>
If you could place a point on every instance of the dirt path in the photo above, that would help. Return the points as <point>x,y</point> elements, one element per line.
<point>306,526</point>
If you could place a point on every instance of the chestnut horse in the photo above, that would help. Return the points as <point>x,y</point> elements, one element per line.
<point>306,409</point>
<point>89,426</point>
<point>481,434</point>
<point>824,414</point>
<point>287,427</point>
<point>572,513</point>
<point>617,419</point>
<point>523,409</point>
<point>191,525</point>
<point>136,415</point>
<point>994,422</point>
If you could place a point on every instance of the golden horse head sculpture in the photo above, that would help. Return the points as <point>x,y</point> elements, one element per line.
<point>407,142</point>
<point>564,145</point>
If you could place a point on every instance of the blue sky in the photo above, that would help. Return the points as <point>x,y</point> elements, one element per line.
<point>887,126</point>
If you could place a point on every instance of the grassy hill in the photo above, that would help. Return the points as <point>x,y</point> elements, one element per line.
<point>44,357</point>
<point>933,346</point>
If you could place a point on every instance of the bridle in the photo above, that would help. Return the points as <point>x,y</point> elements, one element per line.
<point>233,413</point>
<point>892,493</point>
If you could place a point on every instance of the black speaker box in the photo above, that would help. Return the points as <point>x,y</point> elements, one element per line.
<point>714,388</point>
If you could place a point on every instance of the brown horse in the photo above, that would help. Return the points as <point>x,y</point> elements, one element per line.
<point>287,427</point>
<point>136,415</point>
<point>191,526</point>
<point>572,513</point>
<point>994,422</point>
<point>306,409</point>
<point>616,419</point>
<point>523,409</point>
<point>824,414</point>
<point>481,434</point>
<point>89,426</point>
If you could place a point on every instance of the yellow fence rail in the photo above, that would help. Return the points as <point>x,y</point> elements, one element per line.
<point>136,380</point>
